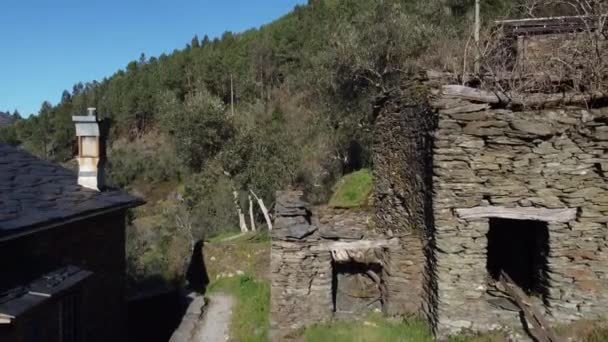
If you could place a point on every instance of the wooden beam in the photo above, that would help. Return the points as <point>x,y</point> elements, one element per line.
<point>540,330</point>
<point>536,214</point>
<point>355,245</point>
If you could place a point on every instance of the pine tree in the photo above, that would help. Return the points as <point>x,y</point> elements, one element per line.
<point>195,43</point>
<point>205,41</point>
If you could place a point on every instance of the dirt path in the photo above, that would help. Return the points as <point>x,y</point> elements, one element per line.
<point>216,320</point>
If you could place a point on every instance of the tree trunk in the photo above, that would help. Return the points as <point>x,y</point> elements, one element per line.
<point>239,211</point>
<point>251,219</point>
<point>264,210</point>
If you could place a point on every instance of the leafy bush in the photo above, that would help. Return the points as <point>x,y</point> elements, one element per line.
<point>199,126</point>
<point>158,246</point>
<point>209,197</point>
<point>128,163</point>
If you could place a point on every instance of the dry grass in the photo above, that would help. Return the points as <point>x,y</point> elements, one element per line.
<point>245,254</point>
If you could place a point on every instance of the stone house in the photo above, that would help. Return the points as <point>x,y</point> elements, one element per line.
<point>62,246</point>
<point>491,187</point>
<point>466,187</point>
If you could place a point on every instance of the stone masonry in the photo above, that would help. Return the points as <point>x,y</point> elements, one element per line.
<point>486,188</point>
<point>521,159</point>
<point>309,248</point>
<point>463,191</point>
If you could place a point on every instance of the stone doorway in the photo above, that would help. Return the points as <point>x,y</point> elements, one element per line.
<point>356,287</point>
<point>520,249</point>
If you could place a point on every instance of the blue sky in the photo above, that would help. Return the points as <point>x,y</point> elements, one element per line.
<point>47,46</point>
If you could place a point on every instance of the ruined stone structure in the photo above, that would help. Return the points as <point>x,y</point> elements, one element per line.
<point>468,185</point>
<point>500,189</point>
<point>464,190</point>
<point>548,166</point>
<point>328,263</point>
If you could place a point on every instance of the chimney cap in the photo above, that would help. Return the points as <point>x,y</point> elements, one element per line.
<point>91,111</point>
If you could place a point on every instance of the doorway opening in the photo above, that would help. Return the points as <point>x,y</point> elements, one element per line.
<point>356,287</point>
<point>520,249</point>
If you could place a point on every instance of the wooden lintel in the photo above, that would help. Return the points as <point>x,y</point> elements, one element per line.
<point>355,245</point>
<point>536,214</point>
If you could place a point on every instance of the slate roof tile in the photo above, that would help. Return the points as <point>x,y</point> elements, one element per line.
<point>34,192</point>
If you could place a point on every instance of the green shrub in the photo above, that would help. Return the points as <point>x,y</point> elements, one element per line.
<point>353,190</point>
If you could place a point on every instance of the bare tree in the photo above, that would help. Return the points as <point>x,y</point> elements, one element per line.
<point>264,209</point>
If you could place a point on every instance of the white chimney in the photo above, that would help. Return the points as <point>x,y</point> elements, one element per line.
<point>91,150</point>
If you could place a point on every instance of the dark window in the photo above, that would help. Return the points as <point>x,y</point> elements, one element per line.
<point>520,249</point>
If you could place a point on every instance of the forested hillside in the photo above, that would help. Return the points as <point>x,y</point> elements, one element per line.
<point>7,118</point>
<point>289,104</point>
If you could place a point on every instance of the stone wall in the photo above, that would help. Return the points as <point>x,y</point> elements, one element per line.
<point>310,246</point>
<point>402,156</point>
<point>301,275</point>
<point>552,158</point>
<point>96,244</point>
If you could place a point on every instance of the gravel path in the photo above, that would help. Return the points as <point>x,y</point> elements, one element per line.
<point>216,319</point>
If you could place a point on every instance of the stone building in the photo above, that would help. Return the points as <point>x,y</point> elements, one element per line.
<point>491,187</point>
<point>465,187</point>
<point>62,247</point>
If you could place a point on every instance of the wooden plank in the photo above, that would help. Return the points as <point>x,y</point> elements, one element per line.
<point>355,245</point>
<point>541,329</point>
<point>537,214</point>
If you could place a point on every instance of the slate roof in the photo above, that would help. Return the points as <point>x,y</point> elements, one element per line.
<point>35,193</point>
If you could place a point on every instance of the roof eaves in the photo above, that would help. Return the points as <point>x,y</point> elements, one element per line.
<point>74,218</point>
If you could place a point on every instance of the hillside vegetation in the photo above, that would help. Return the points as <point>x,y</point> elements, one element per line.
<point>289,104</point>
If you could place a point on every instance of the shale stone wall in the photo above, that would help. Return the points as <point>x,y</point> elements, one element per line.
<point>402,197</point>
<point>302,266</point>
<point>552,158</point>
<point>301,274</point>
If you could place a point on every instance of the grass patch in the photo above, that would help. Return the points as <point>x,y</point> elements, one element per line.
<point>374,328</point>
<point>250,316</point>
<point>598,335</point>
<point>352,190</point>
